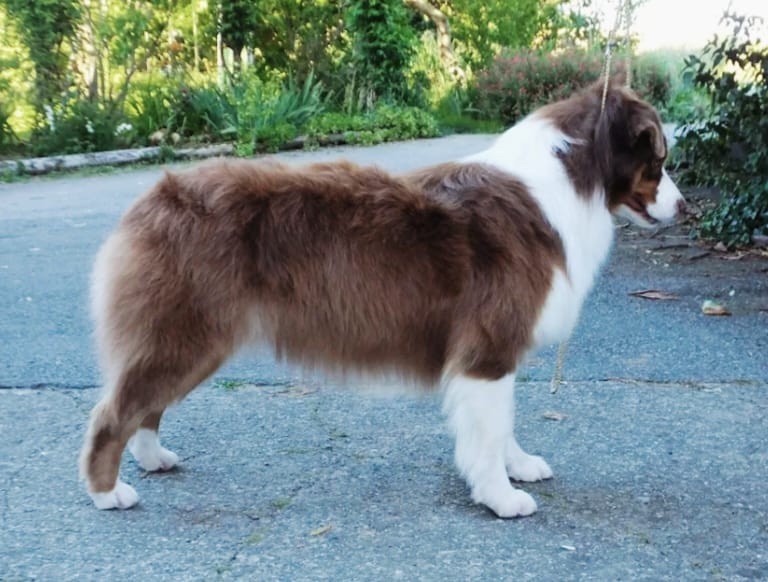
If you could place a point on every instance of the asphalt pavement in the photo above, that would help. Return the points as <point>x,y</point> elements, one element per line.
<point>659,440</point>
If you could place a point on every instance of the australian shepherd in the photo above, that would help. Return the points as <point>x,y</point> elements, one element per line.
<point>449,275</point>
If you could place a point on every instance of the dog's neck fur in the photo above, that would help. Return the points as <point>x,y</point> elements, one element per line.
<point>532,151</point>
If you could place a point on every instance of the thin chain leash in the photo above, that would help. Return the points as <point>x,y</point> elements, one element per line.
<point>622,12</point>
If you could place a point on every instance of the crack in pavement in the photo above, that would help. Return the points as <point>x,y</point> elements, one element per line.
<point>691,384</point>
<point>49,386</point>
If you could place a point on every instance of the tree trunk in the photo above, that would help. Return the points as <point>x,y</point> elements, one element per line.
<point>444,42</point>
<point>221,72</point>
<point>87,53</point>
<point>195,44</point>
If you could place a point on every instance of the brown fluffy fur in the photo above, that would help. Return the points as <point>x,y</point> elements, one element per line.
<point>336,265</point>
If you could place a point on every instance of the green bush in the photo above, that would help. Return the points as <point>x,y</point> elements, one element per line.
<point>520,81</point>
<point>151,105</point>
<point>77,125</point>
<point>267,114</point>
<point>677,98</point>
<point>7,135</point>
<point>728,147</point>
<point>383,41</point>
<point>257,114</point>
<point>384,123</point>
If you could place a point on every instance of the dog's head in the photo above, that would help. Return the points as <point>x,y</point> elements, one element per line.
<point>630,149</point>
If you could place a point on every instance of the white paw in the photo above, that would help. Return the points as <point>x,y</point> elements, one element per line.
<point>509,502</point>
<point>122,496</point>
<point>145,448</point>
<point>525,467</point>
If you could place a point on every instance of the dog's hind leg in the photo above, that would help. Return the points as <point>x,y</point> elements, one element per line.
<point>146,449</point>
<point>127,407</point>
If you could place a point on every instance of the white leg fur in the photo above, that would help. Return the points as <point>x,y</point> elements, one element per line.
<point>479,414</point>
<point>520,465</point>
<point>145,448</point>
<point>122,496</point>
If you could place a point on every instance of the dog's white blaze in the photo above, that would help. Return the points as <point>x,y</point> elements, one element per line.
<point>528,151</point>
<point>480,413</point>
<point>664,209</point>
<point>667,198</point>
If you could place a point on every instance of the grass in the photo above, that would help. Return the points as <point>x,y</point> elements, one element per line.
<point>230,385</point>
<point>281,503</point>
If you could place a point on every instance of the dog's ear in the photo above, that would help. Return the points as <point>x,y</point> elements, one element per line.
<point>646,125</point>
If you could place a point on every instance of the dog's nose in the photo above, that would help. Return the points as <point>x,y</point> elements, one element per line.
<point>682,209</point>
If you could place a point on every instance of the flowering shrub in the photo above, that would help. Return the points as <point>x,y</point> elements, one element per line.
<point>76,125</point>
<point>519,82</point>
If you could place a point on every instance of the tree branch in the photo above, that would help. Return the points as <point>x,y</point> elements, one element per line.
<point>444,41</point>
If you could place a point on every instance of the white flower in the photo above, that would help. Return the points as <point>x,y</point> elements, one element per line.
<point>88,126</point>
<point>49,117</point>
<point>123,128</point>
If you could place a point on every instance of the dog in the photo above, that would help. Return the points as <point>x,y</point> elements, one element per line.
<point>448,275</point>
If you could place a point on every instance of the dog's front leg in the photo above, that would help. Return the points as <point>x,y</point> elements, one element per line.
<point>480,414</point>
<point>520,465</point>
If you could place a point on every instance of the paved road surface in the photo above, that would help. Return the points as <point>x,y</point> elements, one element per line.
<point>660,453</point>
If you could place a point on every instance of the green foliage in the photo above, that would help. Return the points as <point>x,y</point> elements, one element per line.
<point>520,81</point>
<point>45,25</point>
<point>652,81</point>
<point>77,125</point>
<point>684,100</point>
<point>268,115</point>
<point>728,148</point>
<point>482,29</point>
<point>685,103</point>
<point>108,73</point>
<point>384,123</point>
<point>152,105</point>
<point>7,135</point>
<point>382,44</point>
<point>237,22</point>
<point>570,24</point>
<point>256,114</point>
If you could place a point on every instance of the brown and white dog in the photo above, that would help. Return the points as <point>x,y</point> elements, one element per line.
<point>449,275</point>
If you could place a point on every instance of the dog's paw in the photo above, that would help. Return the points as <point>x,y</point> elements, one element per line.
<point>528,468</point>
<point>507,503</point>
<point>145,448</point>
<point>123,496</point>
<point>160,459</point>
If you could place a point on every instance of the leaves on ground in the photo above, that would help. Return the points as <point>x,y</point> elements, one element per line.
<point>655,295</point>
<point>710,307</point>
<point>321,530</point>
<point>554,415</point>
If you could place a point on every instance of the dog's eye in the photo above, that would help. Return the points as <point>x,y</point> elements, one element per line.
<point>655,167</point>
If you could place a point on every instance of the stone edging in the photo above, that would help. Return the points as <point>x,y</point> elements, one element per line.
<point>38,166</point>
<point>49,164</point>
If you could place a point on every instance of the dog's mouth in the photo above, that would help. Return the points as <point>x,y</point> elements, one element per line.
<point>637,206</point>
